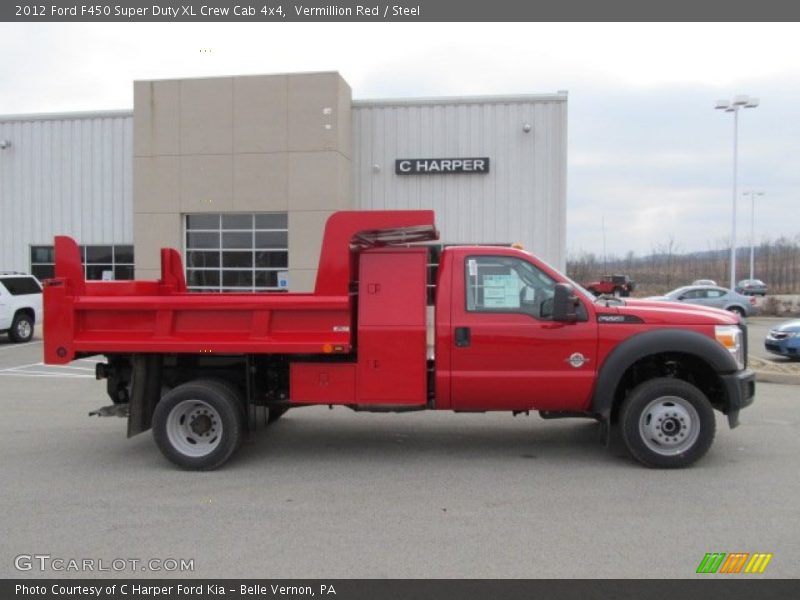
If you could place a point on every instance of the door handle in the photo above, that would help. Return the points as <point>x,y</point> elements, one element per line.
<point>462,337</point>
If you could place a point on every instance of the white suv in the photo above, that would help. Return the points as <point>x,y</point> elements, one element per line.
<point>20,305</point>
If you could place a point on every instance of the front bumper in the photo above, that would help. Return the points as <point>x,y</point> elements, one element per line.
<point>782,347</point>
<point>740,391</point>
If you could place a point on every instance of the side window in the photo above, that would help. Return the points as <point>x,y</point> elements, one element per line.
<point>693,295</point>
<point>508,284</point>
<point>715,293</point>
<point>21,286</point>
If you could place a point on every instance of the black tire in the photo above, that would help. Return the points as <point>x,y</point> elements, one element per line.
<point>275,414</point>
<point>21,328</point>
<point>667,423</point>
<point>198,425</point>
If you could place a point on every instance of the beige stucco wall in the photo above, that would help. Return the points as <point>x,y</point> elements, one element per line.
<point>241,144</point>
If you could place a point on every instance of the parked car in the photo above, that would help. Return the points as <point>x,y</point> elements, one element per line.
<point>784,339</point>
<point>704,282</point>
<point>20,305</point>
<point>752,287</point>
<point>716,297</point>
<point>614,285</point>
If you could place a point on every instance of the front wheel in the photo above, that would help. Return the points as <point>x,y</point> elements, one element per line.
<point>21,329</point>
<point>667,423</point>
<point>198,425</point>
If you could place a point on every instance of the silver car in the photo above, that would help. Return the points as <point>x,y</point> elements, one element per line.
<point>713,296</point>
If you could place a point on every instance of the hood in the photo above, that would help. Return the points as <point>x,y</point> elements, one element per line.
<point>793,325</point>
<point>673,313</point>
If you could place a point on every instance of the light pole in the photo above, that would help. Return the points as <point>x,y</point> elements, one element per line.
<point>733,105</point>
<point>752,194</point>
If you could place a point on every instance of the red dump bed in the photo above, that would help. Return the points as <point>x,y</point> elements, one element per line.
<point>83,317</point>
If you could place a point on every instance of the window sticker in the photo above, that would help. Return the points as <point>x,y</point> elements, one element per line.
<point>501,291</point>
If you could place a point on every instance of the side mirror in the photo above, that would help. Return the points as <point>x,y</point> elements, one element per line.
<point>564,303</point>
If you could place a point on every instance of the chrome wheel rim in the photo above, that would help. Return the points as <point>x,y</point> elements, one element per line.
<point>194,428</point>
<point>669,425</point>
<point>24,329</point>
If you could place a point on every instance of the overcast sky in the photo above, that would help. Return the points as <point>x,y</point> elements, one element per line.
<point>647,153</point>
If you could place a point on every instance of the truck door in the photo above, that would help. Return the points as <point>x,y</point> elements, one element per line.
<point>507,352</point>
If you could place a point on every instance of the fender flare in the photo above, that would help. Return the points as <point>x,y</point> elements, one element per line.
<point>654,342</point>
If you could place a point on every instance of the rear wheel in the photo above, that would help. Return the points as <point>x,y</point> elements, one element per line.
<point>737,311</point>
<point>198,425</point>
<point>21,328</point>
<point>667,423</point>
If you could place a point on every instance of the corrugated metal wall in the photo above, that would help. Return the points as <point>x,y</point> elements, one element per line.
<point>521,199</point>
<point>64,174</point>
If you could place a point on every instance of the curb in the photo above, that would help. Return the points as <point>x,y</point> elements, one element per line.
<point>771,377</point>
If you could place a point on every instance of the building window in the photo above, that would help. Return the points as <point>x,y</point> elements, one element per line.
<point>237,252</point>
<point>99,262</point>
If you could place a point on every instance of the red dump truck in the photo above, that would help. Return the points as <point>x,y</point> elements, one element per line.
<point>485,329</point>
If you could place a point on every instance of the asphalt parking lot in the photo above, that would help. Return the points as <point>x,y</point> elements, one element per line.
<point>333,494</point>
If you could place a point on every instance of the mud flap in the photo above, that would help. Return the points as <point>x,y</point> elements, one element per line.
<point>145,392</point>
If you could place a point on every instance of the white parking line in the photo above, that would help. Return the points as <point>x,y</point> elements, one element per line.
<point>36,364</point>
<point>44,374</point>
<point>67,367</point>
<point>18,346</point>
<point>39,369</point>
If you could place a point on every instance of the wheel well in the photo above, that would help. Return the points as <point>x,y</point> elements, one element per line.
<point>687,367</point>
<point>26,311</point>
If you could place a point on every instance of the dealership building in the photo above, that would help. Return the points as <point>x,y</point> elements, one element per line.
<point>240,174</point>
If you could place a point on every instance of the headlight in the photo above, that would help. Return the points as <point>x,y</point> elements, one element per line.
<point>730,336</point>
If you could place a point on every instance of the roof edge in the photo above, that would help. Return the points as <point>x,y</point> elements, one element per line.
<point>560,96</point>
<point>63,116</point>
